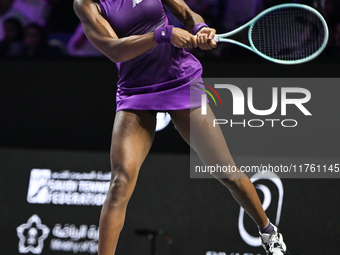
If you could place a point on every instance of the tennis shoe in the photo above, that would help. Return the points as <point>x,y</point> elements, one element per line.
<point>273,243</point>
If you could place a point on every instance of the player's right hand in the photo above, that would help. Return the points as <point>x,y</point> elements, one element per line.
<point>183,39</point>
<point>204,38</point>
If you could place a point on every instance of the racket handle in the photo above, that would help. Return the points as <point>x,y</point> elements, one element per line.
<point>216,38</point>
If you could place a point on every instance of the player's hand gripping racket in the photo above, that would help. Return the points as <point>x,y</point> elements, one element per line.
<point>284,34</point>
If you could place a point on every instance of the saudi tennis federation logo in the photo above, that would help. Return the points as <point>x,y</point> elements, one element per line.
<point>38,190</point>
<point>204,97</point>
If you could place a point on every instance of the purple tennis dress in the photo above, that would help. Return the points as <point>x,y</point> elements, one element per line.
<point>159,79</point>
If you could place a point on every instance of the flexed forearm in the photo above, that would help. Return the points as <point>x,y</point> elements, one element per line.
<point>123,49</point>
<point>104,38</point>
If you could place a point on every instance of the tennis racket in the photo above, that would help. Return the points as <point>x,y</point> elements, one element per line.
<point>284,34</point>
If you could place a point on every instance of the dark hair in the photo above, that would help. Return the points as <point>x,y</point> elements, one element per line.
<point>42,48</point>
<point>40,29</point>
<point>18,25</point>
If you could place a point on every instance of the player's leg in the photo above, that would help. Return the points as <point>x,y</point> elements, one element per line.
<point>132,137</point>
<point>209,143</point>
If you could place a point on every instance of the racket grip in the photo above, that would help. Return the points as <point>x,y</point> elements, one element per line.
<point>215,38</point>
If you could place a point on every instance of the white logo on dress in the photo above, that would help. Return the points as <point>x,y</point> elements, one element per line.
<point>135,2</point>
<point>32,235</point>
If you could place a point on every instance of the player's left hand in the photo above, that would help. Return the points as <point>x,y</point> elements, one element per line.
<point>205,37</point>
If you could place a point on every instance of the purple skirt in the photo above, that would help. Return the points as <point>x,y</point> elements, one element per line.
<point>159,79</point>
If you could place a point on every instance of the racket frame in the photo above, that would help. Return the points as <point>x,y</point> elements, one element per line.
<point>250,24</point>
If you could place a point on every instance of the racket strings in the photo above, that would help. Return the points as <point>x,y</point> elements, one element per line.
<point>288,34</point>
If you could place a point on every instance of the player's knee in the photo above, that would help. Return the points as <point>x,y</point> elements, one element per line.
<point>232,182</point>
<point>117,193</point>
<point>122,183</point>
<point>124,171</point>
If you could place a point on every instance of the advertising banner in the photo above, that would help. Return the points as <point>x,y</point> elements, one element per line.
<point>51,202</point>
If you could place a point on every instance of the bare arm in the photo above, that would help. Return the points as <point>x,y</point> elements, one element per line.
<point>189,19</point>
<point>104,38</point>
<point>183,13</point>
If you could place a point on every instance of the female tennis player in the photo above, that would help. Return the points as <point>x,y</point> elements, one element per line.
<point>154,75</point>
